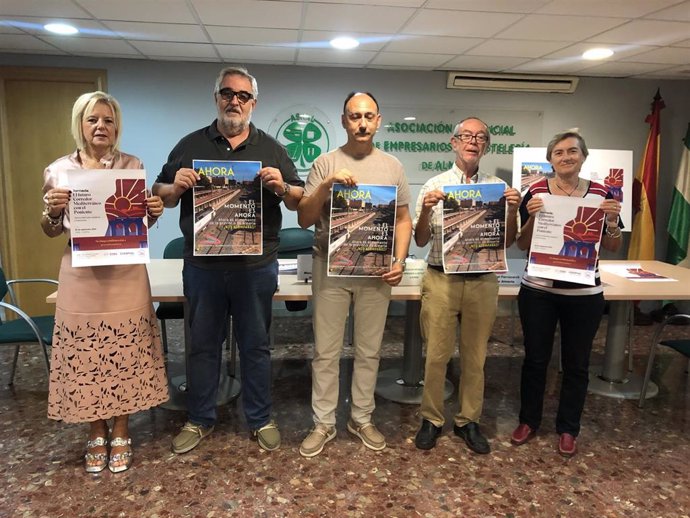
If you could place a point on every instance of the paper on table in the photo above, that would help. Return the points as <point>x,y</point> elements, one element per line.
<point>287,266</point>
<point>635,273</point>
<point>513,277</point>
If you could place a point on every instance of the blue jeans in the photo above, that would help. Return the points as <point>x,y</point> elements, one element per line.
<point>247,296</point>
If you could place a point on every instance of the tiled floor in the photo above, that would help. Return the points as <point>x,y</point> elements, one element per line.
<point>632,462</point>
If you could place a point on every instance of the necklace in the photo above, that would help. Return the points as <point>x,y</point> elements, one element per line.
<point>568,193</point>
<point>91,162</point>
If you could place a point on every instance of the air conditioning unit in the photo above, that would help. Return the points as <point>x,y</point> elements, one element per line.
<point>512,82</point>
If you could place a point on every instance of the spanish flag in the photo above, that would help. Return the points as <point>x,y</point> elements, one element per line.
<point>644,190</point>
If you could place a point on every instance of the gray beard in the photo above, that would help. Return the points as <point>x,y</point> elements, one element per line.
<point>232,128</point>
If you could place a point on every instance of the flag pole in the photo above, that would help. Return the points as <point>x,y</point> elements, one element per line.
<point>642,238</point>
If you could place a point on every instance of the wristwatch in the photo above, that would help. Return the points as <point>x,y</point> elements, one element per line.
<point>401,262</point>
<point>286,190</point>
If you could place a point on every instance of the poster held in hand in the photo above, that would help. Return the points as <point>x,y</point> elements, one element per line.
<point>361,230</point>
<point>227,208</point>
<point>108,224</point>
<point>474,228</point>
<point>566,239</point>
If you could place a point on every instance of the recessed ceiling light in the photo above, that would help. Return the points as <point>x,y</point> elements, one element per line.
<point>598,53</point>
<point>60,28</point>
<point>344,43</point>
<point>410,118</point>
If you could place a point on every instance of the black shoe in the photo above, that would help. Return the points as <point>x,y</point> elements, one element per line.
<point>426,436</point>
<point>473,437</point>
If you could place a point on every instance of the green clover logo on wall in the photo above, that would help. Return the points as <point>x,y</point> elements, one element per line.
<point>305,138</point>
<point>303,148</point>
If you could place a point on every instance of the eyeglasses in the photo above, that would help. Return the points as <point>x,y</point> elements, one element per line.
<point>479,138</point>
<point>242,97</point>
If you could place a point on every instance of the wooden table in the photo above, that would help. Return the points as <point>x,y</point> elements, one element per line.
<point>610,379</point>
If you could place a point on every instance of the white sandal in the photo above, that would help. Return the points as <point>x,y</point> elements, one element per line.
<point>119,457</point>
<point>101,459</point>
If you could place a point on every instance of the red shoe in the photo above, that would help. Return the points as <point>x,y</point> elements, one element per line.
<point>522,434</point>
<point>567,445</point>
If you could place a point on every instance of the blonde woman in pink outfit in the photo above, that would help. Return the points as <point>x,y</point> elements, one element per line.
<point>106,360</point>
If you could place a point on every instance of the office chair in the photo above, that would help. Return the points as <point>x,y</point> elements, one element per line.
<point>296,241</point>
<point>682,346</point>
<point>25,329</point>
<point>175,310</point>
<point>170,310</point>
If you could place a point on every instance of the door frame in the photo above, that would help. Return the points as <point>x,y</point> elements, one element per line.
<point>96,76</point>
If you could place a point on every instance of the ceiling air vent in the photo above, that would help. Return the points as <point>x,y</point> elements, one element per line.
<point>512,82</point>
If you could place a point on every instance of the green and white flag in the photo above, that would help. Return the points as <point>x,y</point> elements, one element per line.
<point>679,218</point>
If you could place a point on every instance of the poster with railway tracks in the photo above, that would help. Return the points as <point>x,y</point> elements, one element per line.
<point>474,228</point>
<point>565,240</point>
<point>108,217</point>
<point>227,208</point>
<point>361,230</point>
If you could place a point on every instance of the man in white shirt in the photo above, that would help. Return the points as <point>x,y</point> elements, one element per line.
<point>446,298</point>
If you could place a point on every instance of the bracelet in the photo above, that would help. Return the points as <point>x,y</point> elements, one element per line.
<point>401,262</point>
<point>614,234</point>
<point>52,221</point>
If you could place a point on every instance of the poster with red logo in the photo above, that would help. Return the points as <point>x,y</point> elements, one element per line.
<point>107,212</point>
<point>566,239</point>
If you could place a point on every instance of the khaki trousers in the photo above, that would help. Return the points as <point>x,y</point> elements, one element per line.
<point>445,299</point>
<point>331,300</point>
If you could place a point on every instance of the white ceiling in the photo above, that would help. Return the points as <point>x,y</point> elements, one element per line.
<point>651,38</point>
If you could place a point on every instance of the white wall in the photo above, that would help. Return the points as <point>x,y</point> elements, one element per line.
<point>163,101</point>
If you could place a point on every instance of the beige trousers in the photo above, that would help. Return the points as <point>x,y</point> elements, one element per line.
<point>331,300</point>
<point>445,299</point>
